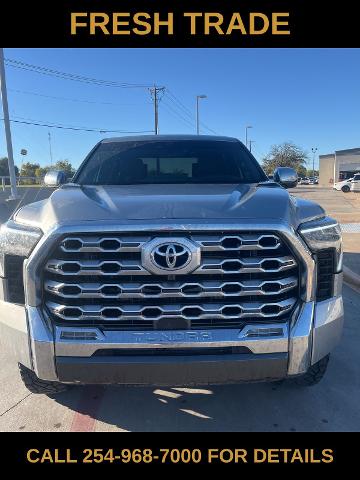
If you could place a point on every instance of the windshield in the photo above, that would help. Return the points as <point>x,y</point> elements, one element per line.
<point>169,161</point>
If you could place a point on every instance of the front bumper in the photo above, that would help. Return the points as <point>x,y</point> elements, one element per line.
<point>173,370</point>
<point>271,351</point>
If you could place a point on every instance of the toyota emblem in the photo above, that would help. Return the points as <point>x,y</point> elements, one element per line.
<point>177,256</point>
<point>171,256</point>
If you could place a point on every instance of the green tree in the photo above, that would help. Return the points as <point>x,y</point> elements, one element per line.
<point>66,167</point>
<point>28,169</point>
<point>310,173</point>
<point>41,172</point>
<point>4,169</point>
<point>284,155</point>
<point>302,172</point>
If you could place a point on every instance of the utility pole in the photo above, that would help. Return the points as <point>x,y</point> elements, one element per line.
<point>51,157</point>
<point>314,150</point>
<point>246,134</point>
<point>156,112</point>
<point>155,95</point>
<point>250,144</point>
<point>13,195</point>
<point>197,113</point>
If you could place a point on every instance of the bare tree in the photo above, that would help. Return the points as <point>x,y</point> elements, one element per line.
<point>286,154</point>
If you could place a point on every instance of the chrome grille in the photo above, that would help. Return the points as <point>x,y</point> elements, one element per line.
<point>189,312</point>
<point>208,266</point>
<point>221,289</point>
<point>100,280</point>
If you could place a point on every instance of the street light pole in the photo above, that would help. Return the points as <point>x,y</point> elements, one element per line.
<point>197,113</point>
<point>50,149</point>
<point>250,144</point>
<point>5,106</point>
<point>246,134</point>
<point>314,150</point>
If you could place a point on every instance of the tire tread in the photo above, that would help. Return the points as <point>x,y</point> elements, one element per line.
<point>314,374</point>
<point>35,385</point>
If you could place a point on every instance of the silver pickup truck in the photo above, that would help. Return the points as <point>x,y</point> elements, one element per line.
<point>170,260</point>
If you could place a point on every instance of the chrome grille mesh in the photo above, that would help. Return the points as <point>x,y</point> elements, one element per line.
<point>221,289</point>
<point>100,280</point>
<point>189,312</point>
<point>134,267</point>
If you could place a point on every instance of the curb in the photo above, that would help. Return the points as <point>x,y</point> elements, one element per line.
<point>351,277</point>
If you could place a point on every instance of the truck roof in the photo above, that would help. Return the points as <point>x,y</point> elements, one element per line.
<point>154,138</point>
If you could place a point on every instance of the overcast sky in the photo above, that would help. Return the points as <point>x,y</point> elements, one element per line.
<point>310,97</point>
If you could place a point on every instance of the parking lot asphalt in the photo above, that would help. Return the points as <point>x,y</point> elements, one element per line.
<point>332,405</point>
<point>345,207</point>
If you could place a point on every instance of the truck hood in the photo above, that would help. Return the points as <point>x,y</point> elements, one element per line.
<point>73,204</point>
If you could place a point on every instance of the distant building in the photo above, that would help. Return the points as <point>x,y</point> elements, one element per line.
<point>338,166</point>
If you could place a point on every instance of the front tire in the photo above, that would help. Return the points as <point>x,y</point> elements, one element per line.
<point>35,385</point>
<point>314,374</point>
<point>345,188</point>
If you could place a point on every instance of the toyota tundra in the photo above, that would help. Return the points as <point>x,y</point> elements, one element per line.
<point>170,260</point>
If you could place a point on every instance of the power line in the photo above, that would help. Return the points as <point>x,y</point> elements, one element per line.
<point>186,110</point>
<point>178,114</point>
<point>208,128</point>
<point>175,113</point>
<point>99,82</point>
<point>36,120</point>
<point>70,76</point>
<point>83,129</point>
<point>180,105</point>
<point>71,99</point>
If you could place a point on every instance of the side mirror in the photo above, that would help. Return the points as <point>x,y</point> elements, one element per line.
<point>286,177</point>
<point>55,178</point>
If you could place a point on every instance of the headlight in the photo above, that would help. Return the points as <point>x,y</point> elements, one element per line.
<point>16,243</point>
<point>324,234</point>
<point>17,239</point>
<point>323,238</point>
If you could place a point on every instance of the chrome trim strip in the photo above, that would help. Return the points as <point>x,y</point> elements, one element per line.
<point>96,267</point>
<point>269,343</point>
<point>209,288</point>
<point>133,267</point>
<point>301,339</point>
<point>213,243</point>
<point>42,345</point>
<point>208,243</point>
<point>151,313</point>
<point>246,265</point>
<point>97,244</point>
